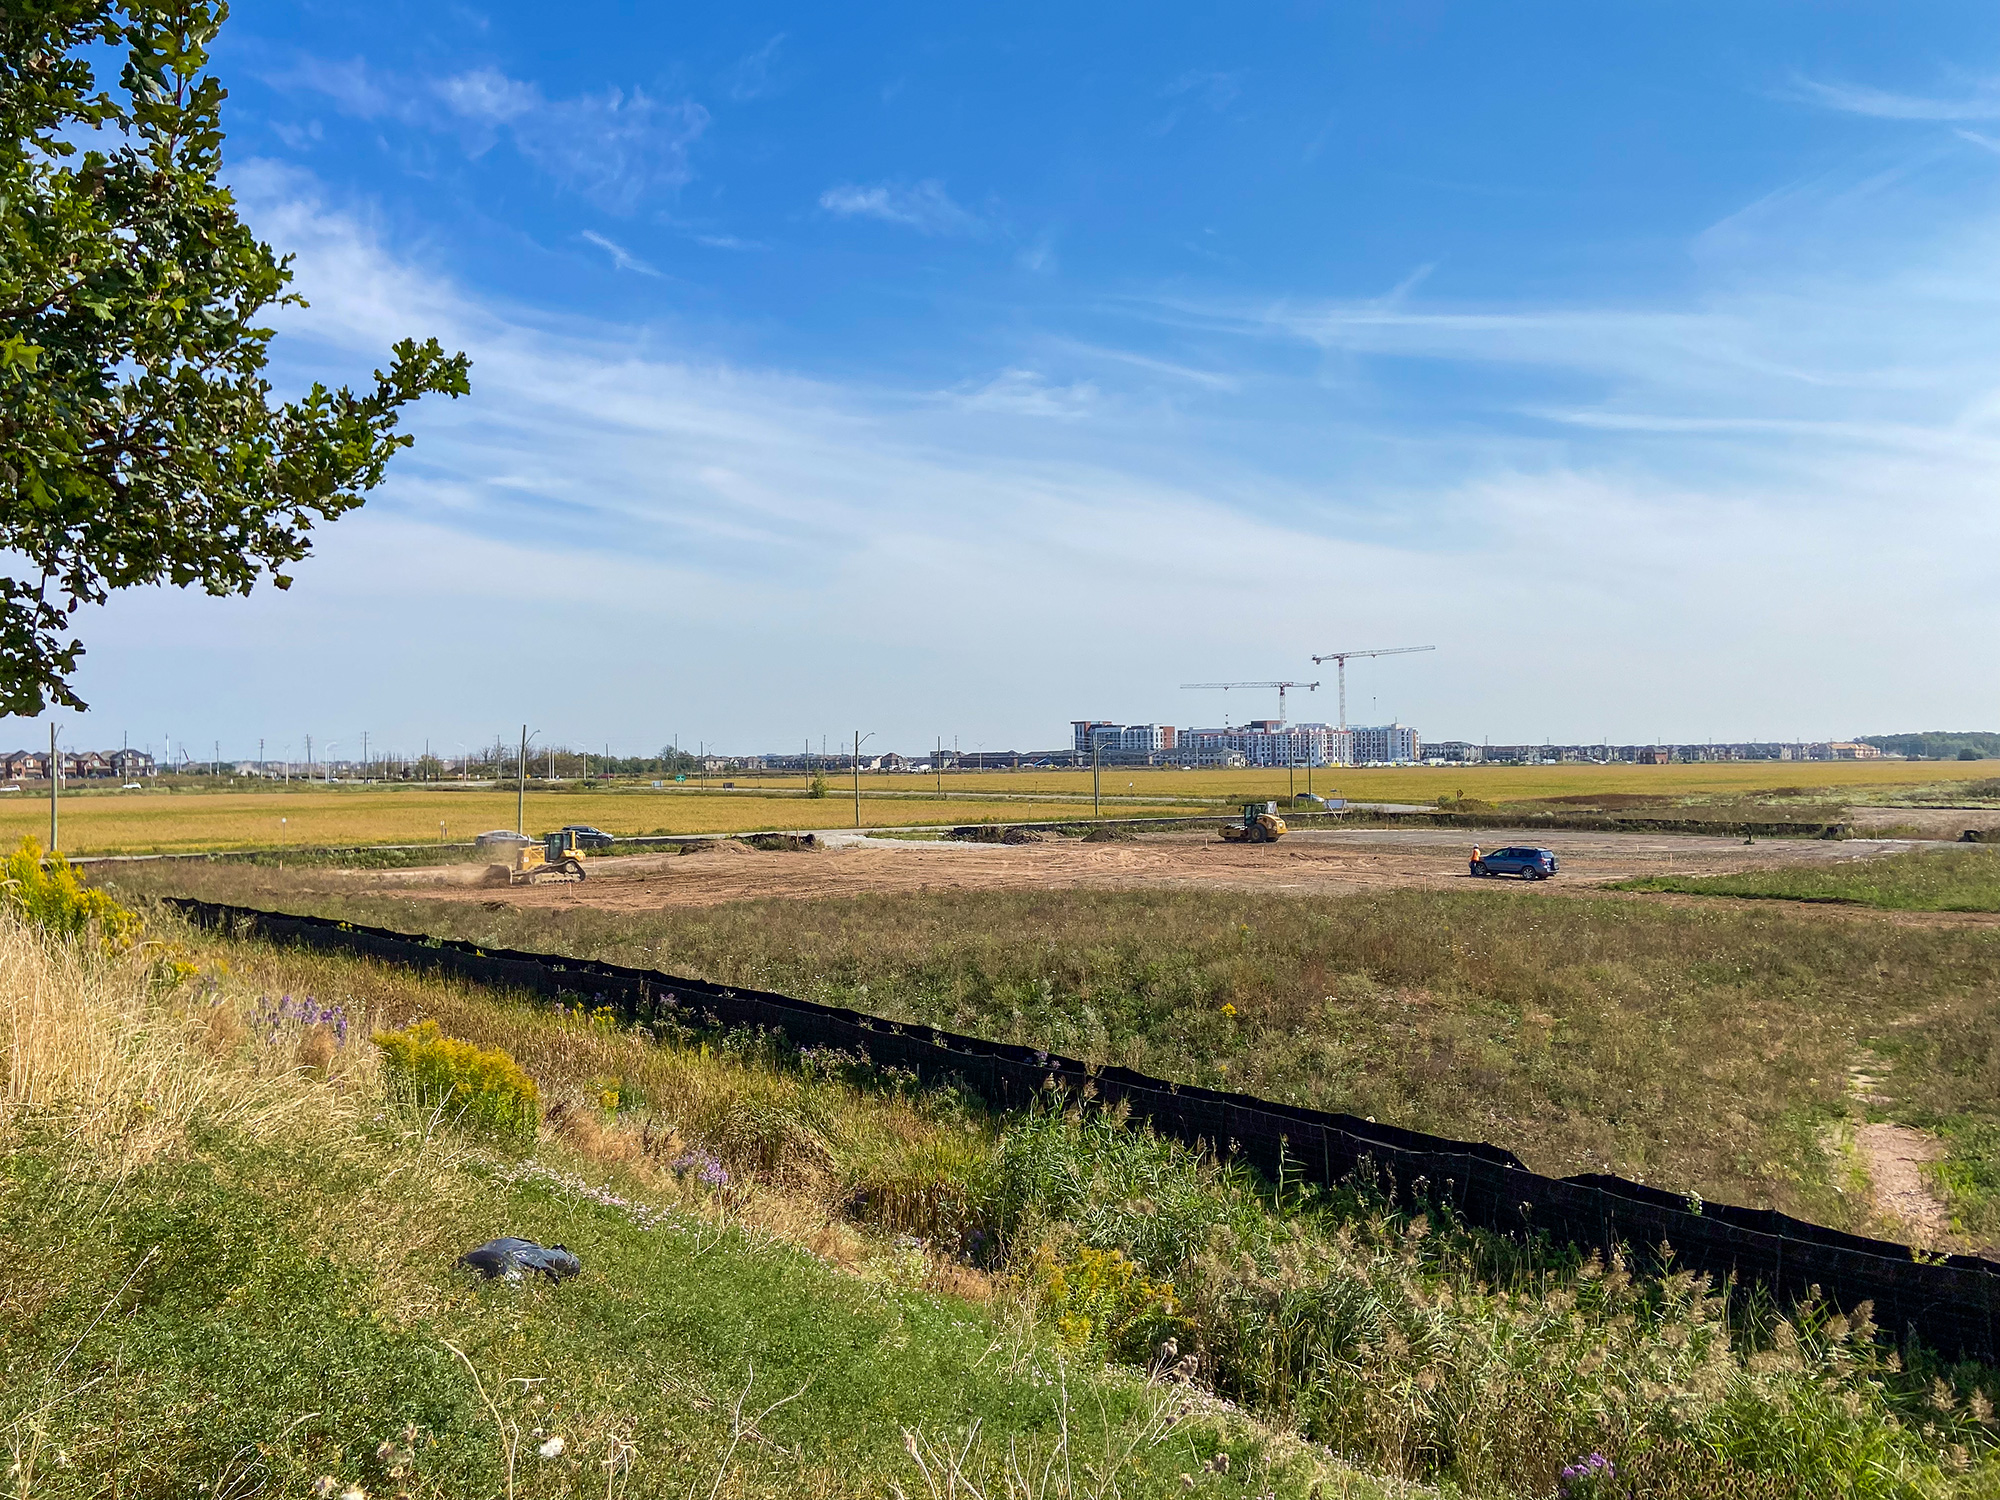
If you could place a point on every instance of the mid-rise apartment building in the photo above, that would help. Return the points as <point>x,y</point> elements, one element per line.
<point>1381,744</point>
<point>1106,737</point>
<point>1267,742</point>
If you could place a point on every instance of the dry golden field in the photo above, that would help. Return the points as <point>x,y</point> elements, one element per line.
<point>164,821</point>
<point>176,821</point>
<point>1847,780</point>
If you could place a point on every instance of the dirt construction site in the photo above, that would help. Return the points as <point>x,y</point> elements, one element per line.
<point>1306,862</point>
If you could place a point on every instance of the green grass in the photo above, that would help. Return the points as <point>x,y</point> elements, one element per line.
<point>244,1334</point>
<point>226,1267</point>
<point>1926,880</point>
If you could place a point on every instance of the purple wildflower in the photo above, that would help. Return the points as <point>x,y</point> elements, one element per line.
<point>1588,1477</point>
<point>706,1169</point>
<point>273,1016</point>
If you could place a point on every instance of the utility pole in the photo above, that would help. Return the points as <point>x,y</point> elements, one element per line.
<point>521,787</point>
<point>215,766</point>
<point>364,755</point>
<point>309,757</point>
<point>858,738</point>
<point>937,765</point>
<point>1096,799</point>
<point>55,775</point>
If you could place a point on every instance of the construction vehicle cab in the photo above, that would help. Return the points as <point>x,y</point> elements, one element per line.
<point>557,858</point>
<point>1261,825</point>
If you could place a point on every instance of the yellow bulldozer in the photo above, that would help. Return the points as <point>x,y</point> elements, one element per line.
<point>1261,825</point>
<point>558,858</point>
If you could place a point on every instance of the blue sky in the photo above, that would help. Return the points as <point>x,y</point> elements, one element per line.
<point>962,371</point>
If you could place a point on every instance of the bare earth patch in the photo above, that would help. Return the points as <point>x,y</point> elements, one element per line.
<point>1330,862</point>
<point>1894,1157</point>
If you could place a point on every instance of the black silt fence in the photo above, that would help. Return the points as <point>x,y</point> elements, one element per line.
<point>1951,1303</point>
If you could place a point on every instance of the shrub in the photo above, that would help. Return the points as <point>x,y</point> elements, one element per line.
<point>1117,1187</point>
<point>1099,1299</point>
<point>773,1138</point>
<point>479,1087</point>
<point>936,1188</point>
<point>45,892</point>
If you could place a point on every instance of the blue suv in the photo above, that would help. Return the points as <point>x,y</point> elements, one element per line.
<point>1529,864</point>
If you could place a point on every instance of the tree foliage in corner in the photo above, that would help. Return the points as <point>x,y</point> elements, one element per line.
<point>139,442</point>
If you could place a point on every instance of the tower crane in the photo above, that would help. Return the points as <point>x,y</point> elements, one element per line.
<point>1340,659</point>
<point>1280,686</point>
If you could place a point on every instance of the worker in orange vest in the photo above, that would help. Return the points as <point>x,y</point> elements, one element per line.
<point>1473,868</point>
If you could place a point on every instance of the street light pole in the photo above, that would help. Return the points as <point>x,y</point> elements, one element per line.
<point>55,774</point>
<point>521,785</point>
<point>1096,799</point>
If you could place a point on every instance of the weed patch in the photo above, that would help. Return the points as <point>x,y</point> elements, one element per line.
<point>460,1082</point>
<point>1923,880</point>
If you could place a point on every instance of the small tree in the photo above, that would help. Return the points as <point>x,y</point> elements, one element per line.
<point>138,440</point>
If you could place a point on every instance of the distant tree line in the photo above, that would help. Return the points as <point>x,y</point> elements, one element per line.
<point>1939,744</point>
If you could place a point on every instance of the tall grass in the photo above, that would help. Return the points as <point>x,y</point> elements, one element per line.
<point>1924,880</point>
<point>226,1268</point>
<point>1413,1349</point>
<point>1700,1050</point>
<point>1425,1350</point>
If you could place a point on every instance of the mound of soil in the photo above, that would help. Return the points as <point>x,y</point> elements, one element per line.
<point>786,843</point>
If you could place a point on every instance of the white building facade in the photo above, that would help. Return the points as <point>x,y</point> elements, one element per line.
<point>1130,739</point>
<point>1267,742</point>
<point>1386,744</point>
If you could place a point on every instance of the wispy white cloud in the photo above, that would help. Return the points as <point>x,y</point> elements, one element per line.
<point>1215,90</point>
<point>825,539</point>
<point>1201,89</point>
<point>1213,380</point>
<point>299,137</point>
<point>1982,102</point>
<point>613,147</point>
<point>621,258</point>
<point>1027,393</point>
<point>925,207</point>
<point>488,96</point>
<point>353,87</point>
<point>1039,254</point>
<point>751,77</point>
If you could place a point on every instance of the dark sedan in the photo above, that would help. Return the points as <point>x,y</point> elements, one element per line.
<point>1529,864</point>
<point>588,837</point>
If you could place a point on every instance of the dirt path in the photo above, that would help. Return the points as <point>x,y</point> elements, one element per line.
<point>1315,862</point>
<point>1894,1156</point>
